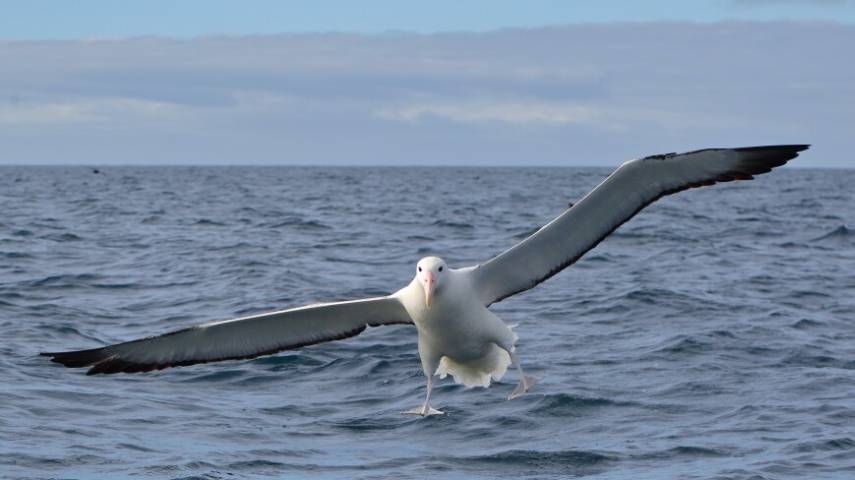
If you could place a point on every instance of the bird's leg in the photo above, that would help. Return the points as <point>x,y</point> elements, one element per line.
<point>526,382</point>
<point>425,409</point>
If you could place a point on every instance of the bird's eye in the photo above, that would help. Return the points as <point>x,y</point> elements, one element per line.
<point>440,269</point>
<point>420,269</point>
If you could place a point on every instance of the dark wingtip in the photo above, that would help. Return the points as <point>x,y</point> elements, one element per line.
<point>99,360</point>
<point>794,147</point>
<point>77,358</point>
<point>757,160</point>
<point>782,153</point>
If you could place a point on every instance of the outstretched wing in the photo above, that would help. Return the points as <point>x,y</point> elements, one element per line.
<point>240,338</point>
<point>618,198</point>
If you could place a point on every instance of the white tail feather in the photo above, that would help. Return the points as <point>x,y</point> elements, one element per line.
<point>479,372</point>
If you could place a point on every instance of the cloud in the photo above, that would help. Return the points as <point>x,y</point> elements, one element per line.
<point>42,113</point>
<point>508,112</point>
<point>79,112</point>
<point>585,94</point>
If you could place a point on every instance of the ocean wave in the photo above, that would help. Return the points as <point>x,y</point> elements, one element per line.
<point>299,410</point>
<point>538,460</point>
<point>839,443</point>
<point>16,255</point>
<point>221,375</point>
<point>684,345</point>
<point>683,452</point>
<point>807,324</point>
<point>202,222</point>
<point>299,224</point>
<point>65,280</point>
<point>564,404</point>
<point>287,360</point>
<point>841,234</point>
<point>454,225</point>
<point>817,360</point>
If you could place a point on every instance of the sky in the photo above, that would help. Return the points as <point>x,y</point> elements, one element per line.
<point>58,19</point>
<point>429,83</point>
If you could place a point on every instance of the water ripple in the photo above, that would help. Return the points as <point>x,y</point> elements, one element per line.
<point>709,337</point>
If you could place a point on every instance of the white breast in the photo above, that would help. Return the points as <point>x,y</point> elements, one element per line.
<point>457,324</point>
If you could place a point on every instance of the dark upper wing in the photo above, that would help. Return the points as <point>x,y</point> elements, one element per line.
<point>245,337</point>
<point>618,198</point>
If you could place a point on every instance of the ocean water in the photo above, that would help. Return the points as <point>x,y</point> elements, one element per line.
<point>713,336</point>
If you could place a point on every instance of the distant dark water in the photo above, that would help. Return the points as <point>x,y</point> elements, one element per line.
<point>713,336</point>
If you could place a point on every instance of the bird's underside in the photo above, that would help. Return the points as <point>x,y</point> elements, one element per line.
<point>555,246</point>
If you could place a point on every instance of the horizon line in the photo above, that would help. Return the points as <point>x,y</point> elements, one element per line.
<point>339,165</point>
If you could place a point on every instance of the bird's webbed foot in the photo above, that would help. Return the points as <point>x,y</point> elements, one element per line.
<point>425,411</point>
<point>526,383</point>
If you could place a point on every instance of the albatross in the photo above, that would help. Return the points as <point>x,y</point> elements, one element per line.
<point>457,333</point>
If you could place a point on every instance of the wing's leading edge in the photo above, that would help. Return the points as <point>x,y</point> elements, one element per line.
<point>245,337</point>
<point>618,198</point>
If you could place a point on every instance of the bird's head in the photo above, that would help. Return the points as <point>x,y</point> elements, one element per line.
<point>430,272</point>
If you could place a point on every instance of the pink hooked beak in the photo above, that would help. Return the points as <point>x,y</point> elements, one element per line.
<point>430,284</point>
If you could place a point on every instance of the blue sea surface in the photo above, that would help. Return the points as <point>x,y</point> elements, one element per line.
<point>712,336</point>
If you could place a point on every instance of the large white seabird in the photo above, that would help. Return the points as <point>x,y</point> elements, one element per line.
<point>458,335</point>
